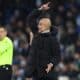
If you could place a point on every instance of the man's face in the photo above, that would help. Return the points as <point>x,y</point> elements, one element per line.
<point>3,33</point>
<point>43,25</point>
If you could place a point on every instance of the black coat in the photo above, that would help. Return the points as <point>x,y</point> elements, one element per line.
<point>44,50</point>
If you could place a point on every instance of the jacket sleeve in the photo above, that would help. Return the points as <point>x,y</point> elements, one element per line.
<point>55,52</point>
<point>35,15</point>
<point>31,61</point>
<point>31,18</point>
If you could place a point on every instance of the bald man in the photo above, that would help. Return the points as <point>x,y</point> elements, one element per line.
<point>44,53</point>
<point>44,25</point>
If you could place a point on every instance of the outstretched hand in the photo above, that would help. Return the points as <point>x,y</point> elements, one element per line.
<point>45,6</point>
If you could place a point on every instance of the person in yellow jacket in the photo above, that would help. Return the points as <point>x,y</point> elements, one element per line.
<point>6,55</point>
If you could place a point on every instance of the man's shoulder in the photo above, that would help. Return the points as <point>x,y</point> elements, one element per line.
<point>53,38</point>
<point>8,40</point>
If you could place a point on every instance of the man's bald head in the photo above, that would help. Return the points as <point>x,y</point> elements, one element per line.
<point>44,24</point>
<point>46,21</point>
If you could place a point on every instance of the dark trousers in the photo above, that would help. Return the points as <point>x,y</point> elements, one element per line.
<point>5,72</point>
<point>43,78</point>
<point>49,76</point>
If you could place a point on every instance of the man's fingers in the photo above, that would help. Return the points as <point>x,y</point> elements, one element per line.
<point>47,70</point>
<point>48,3</point>
<point>45,6</point>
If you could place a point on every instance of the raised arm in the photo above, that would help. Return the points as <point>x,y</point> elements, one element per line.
<point>35,14</point>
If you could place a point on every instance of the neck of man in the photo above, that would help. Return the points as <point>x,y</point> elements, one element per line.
<point>2,39</point>
<point>46,31</point>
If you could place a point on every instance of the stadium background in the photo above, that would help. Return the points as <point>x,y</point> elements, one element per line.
<point>13,15</point>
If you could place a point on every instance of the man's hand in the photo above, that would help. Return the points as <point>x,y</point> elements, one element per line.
<point>45,6</point>
<point>49,67</point>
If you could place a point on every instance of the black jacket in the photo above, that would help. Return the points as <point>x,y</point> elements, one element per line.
<point>44,50</point>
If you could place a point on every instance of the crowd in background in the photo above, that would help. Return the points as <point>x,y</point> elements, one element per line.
<point>66,22</point>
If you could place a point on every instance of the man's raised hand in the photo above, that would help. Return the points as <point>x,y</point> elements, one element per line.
<point>45,6</point>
